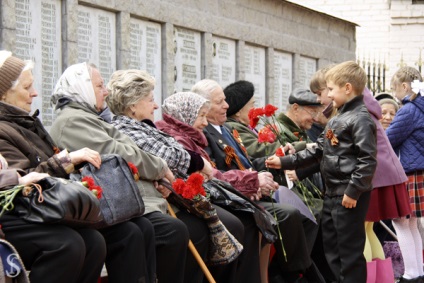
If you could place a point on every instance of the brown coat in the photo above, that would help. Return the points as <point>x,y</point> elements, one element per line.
<point>25,144</point>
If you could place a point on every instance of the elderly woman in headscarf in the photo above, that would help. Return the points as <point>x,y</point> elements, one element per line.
<point>53,253</point>
<point>79,97</point>
<point>131,99</point>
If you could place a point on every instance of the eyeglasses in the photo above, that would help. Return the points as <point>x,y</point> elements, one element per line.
<point>313,114</point>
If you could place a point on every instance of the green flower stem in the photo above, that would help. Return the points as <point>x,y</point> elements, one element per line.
<point>7,197</point>
<point>305,191</point>
<point>316,190</point>
<point>278,227</point>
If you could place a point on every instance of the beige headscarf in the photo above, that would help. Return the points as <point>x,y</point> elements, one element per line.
<point>184,106</point>
<point>74,85</point>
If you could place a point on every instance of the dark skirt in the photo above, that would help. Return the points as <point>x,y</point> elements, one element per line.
<point>416,192</point>
<point>388,202</point>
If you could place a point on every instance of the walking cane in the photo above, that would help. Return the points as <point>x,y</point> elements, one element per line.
<point>195,253</point>
<point>388,230</point>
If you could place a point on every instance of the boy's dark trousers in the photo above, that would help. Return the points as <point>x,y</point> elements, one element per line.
<point>343,232</point>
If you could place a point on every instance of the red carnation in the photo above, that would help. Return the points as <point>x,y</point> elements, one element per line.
<point>178,186</point>
<point>253,119</point>
<point>97,191</point>
<point>270,110</point>
<point>134,170</point>
<point>266,135</point>
<point>195,182</point>
<point>88,182</point>
<point>190,189</point>
<point>279,152</point>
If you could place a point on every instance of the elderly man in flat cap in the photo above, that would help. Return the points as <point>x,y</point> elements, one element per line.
<point>304,110</point>
<point>228,154</point>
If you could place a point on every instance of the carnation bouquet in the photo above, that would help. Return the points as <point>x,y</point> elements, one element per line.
<point>272,130</point>
<point>191,195</point>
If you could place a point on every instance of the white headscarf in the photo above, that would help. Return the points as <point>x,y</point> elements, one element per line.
<point>74,85</point>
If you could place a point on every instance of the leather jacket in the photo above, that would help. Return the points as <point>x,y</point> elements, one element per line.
<point>347,165</point>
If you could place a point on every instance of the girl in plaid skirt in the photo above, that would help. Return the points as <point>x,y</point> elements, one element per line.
<point>406,135</point>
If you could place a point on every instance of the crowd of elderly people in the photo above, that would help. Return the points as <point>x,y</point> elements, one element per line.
<point>118,118</point>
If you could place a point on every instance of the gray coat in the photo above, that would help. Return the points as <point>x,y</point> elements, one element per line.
<point>77,126</point>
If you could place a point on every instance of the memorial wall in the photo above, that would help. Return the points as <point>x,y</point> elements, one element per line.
<point>274,44</point>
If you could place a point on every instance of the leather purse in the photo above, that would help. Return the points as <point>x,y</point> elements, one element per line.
<point>223,194</point>
<point>121,198</point>
<point>58,201</point>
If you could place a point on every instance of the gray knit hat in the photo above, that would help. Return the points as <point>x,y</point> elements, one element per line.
<point>10,69</point>
<point>389,101</point>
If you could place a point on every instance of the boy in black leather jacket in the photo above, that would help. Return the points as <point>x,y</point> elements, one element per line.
<point>347,152</point>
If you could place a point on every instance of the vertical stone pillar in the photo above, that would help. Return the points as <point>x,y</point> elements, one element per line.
<point>206,55</point>
<point>296,71</point>
<point>7,25</point>
<point>69,33</point>
<point>269,75</point>
<point>168,53</point>
<point>123,49</point>
<point>240,57</point>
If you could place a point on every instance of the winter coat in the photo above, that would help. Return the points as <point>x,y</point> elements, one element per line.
<point>25,144</point>
<point>250,140</point>
<point>389,171</point>
<point>406,134</point>
<point>78,126</point>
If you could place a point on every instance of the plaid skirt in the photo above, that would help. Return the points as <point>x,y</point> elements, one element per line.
<point>416,192</point>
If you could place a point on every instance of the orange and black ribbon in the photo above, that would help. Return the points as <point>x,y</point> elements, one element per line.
<point>332,137</point>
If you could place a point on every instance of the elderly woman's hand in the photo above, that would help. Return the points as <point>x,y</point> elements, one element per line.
<point>86,155</point>
<point>291,174</point>
<point>256,196</point>
<point>266,183</point>
<point>32,177</point>
<point>289,148</point>
<point>207,171</point>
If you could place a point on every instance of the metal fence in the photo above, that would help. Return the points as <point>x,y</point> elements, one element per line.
<point>377,70</point>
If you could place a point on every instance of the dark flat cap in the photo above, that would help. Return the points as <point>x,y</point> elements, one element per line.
<point>303,96</point>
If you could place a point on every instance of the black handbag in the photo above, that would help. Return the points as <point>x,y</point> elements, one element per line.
<point>58,201</point>
<point>223,194</point>
<point>121,198</point>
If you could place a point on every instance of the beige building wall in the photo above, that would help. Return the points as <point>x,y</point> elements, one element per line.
<point>391,31</point>
<point>276,44</point>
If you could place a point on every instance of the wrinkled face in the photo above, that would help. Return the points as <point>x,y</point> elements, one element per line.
<point>22,95</point>
<point>144,108</point>
<point>217,114</point>
<point>243,114</point>
<point>100,90</point>
<point>305,116</point>
<point>322,96</point>
<point>201,120</point>
<point>388,112</point>
<point>339,95</point>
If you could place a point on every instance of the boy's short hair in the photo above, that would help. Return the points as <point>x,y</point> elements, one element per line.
<point>317,82</point>
<point>348,72</point>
